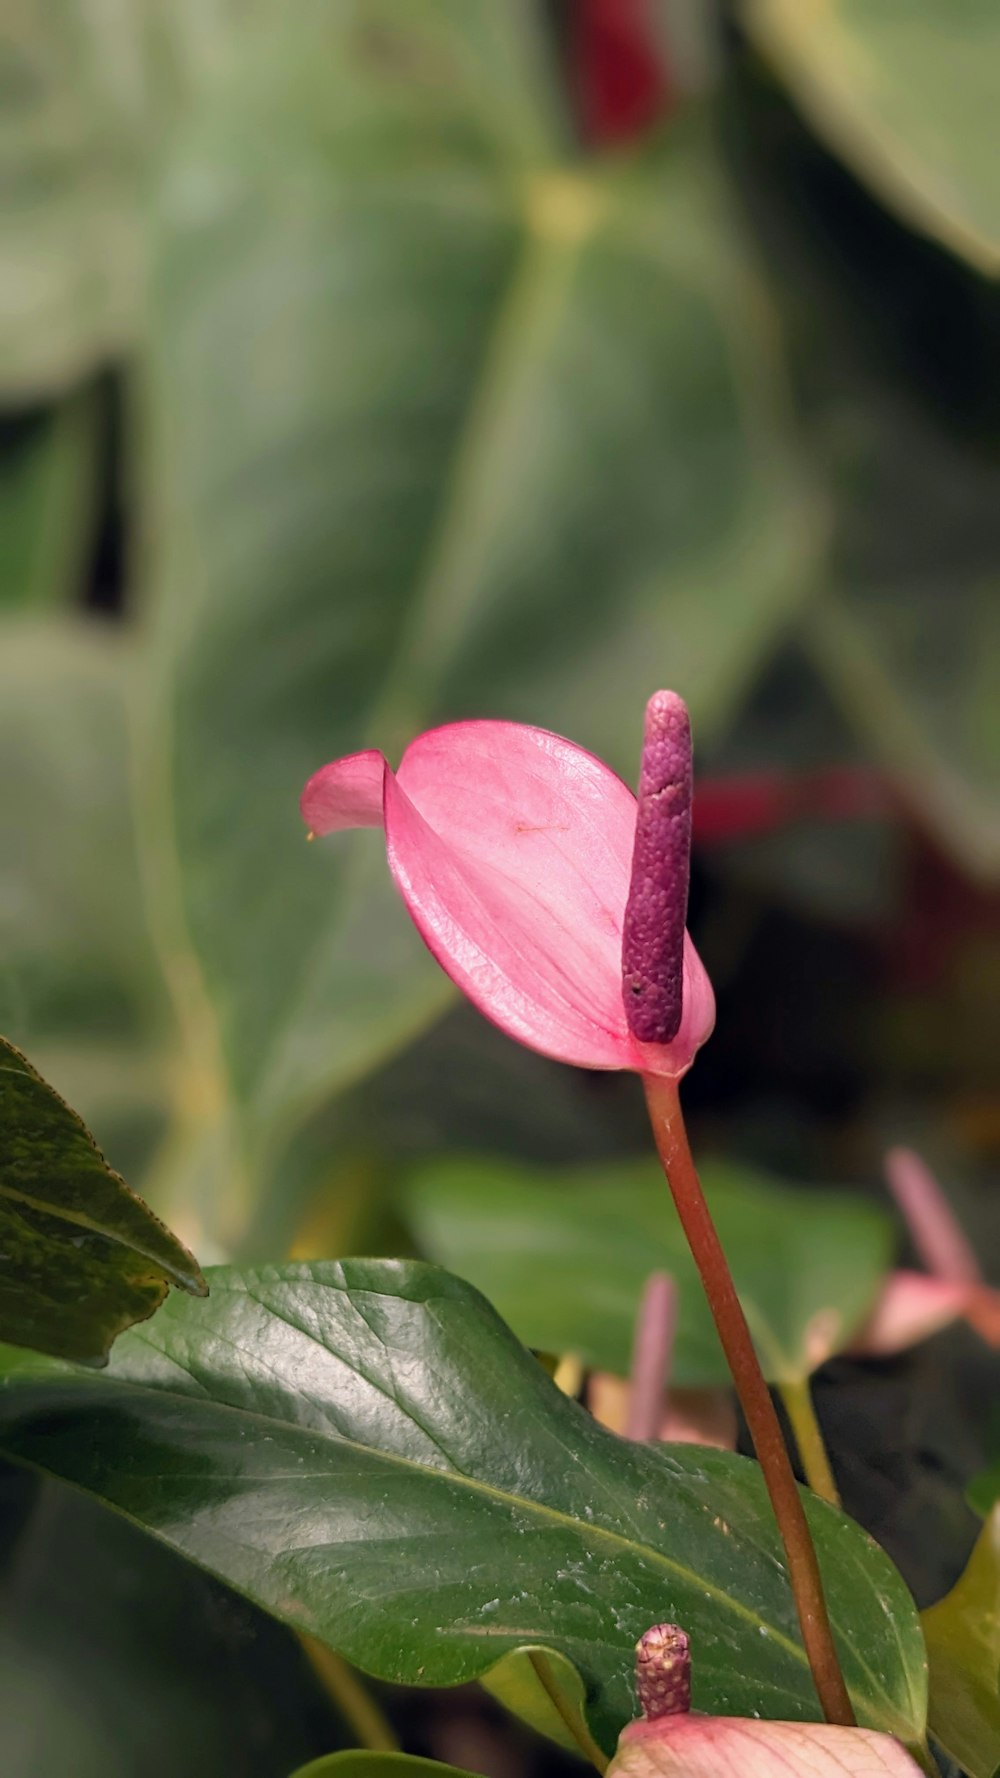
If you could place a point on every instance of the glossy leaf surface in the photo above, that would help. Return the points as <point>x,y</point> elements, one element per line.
<point>565,1254</point>
<point>907,95</point>
<point>81,1257</point>
<point>366,1451</point>
<point>963,1646</point>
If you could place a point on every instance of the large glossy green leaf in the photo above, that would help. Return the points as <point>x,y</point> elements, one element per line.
<point>564,1254</point>
<point>440,424</point>
<point>81,1257</point>
<point>963,1647</point>
<point>907,95</point>
<point>365,1450</point>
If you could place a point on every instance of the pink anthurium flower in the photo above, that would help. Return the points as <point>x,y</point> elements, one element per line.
<point>670,1740</point>
<point>513,851</point>
<point>913,1305</point>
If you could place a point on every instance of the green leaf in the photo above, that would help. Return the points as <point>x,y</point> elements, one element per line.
<point>365,1450</point>
<point>907,95</point>
<point>983,1491</point>
<point>47,505</point>
<point>81,1257</point>
<point>358,1764</point>
<point>564,1254</point>
<point>963,1646</point>
<point>79,990</point>
<point>71,152</point>
<point>910,660</point>
<point>545,1691</point>
<point>413,505</point>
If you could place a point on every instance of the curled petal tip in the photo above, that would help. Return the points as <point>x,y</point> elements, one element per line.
<point>655,914</point>
<point>345,793</point>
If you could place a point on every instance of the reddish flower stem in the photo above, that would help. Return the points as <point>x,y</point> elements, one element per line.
<point>803,1568</point>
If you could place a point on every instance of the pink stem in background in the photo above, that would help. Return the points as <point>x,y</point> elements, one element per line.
<point>652,1352</point>
<point>933,1225</point>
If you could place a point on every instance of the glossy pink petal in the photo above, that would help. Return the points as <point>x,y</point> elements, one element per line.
<point>693,1746</point>
<point>512,850</point>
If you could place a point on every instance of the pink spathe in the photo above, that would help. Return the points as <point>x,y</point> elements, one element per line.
<point>512,849</point>
<point>696,1746</point>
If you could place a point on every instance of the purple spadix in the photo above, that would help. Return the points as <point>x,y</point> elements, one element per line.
<point>656,911</point>
<point>663,1672</point>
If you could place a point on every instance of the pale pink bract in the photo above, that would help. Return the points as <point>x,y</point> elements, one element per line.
<point>512,849</point>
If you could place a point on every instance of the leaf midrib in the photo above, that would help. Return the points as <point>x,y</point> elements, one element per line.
<point>473,1485</point>
<point>80,1219</point>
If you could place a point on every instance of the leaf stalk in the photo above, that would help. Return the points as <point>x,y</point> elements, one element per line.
<point>798,1404</point>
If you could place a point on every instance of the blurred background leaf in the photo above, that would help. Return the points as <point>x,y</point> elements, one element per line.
<point>963,1648</point>
<point>356,1764</point>
<point>48,484</point>
<point>907,95</point>
<point>463,520</point>
<point>116,1657</point>
<point>78,986</point>
<point>564,1255</point>
<point>73,147</point>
